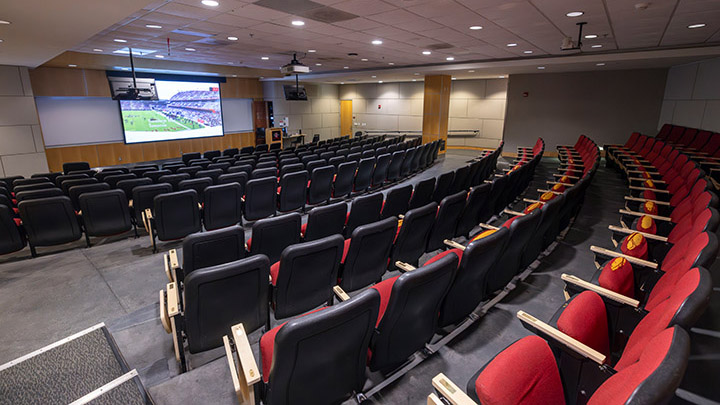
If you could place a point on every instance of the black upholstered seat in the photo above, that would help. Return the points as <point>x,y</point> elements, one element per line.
<point>214,174</point>
<point>143,197</point>
<point>508,266</point>
<point>397,202</point>
<point>412,237</point>
<point>442,186</point>
<point>222,206</point>
<point>343,184</point>
<point>364,210</point>
<point>75,166</point>
<point>321,181</point>
<point>393,172</point>
<point>446,221</point>
<point>207,249</point>
<point>367,255</point>
<point>260,197</point>
<point>11,238</point>
<point>42,193</point>
<point>174,180</point>
<point>127,186</point>
<point>76,191</point>
<point>176,215</point>
<point>325,221</point>
<point>381,168</point>
<point>293,191</point>
<point>422,193</point>
<point>271,236</point>
<point>49,221</point>
<point>475,210</point>
<point>105,213</point>
<point>199,185</point>
<point>460,180</point>
<point>363,177</point>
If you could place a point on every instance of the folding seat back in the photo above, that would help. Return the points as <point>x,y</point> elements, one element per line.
<point>291,168</point>
<point>325,221</point>
<point>50,176</point>
<point>230,152</point>
<point>422,193</point>
<point>393,173</point>
<point>222,205</point>
<point>49,221</point>
<point>174,180</point>
<point>176,214</point>
<point>364,210</point>
<point>293,191</point>
<point>214,174</point>
<point>11,239</point>
<point>321,355</point>
<point>321,181</point>
<point>114,179</point>
<point>198,184</point>
<point>127,186</point>
<point>187,157</point>
<point>305,276</point>
<point>406,165</point>
<point>442,186</point>
<point>415,164</point>
<point>327,155</point>
<point>263,173</point>
<point>31,195</point>
<point>211,154</point>
<point>261,148</point>
<point>364,173</point>
<point>66,184</point>
<point>508,266</point>
<point>475,210</point>
<point>306,159</point>
<point>397,202</point>
<point>344,179</point>
<point>75,166</point>
<point>221,296</point>
<point>270,236</point>
<point>370,153</point>
<point>381,151</point>
<point>381,167</point>
<point>675,134</point>
<point>354,157</point>
<point>155,175</point>
<point>367,257</point>
<point>460,180</point>
<point>247,150</point>
<point>446,222</point>
<point>33,180</point>
<point>143,197</point>
<point>260,197</point>
<point>105,213</point>
<point>290,160</point>
<point>469,288</point>
<point>409,319</point>
<point>222,166</point>
<point>688,137</point>
<point>497,191</point>
<point>336,161</point>
<point>173,167</point>
<point>266,164</point>
<point>76,191</point>
<point>207,249</point>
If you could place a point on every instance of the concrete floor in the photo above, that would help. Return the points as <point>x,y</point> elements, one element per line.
<point>70,288</point>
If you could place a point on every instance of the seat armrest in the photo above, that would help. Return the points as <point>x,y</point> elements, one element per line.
<point>340,293</point>
<point>643,200</point>
<point>632,260</point>
<point>573,344</point>
<point>540,190</point>
<point>449,391</point>
<point>565,175</point>
<point>405,267</point>
<point>639,214</point>
<point>631,231</point>
<point>243,367</point>
<point>643,179</point>
<point>531,201</point>
<point>454,245</point>
<point>513,213</point>
<point>600,290</point>
<point>557,182</point>
<point>656,190</point>
<point>488,226</point>
<point>169,309</point>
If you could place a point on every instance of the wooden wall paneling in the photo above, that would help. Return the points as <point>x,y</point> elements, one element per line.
<point>436,107</point>
<point>185,146</point>
<point>149,151</point>
<point>54,159</point>
<point>47,81</point>
<point>96,83</point>
<point>109,153</point>
<point>134,153</point>
<point>197,145</point>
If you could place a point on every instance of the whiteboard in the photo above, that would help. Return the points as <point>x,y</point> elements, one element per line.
<point>79,120</point>
<point>237,115</point>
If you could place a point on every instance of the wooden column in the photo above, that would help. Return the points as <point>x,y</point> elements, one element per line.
<point>436,108</point>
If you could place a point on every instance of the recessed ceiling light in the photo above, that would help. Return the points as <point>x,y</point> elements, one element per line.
<point>364,59</point>
<point>265,58</point>
<point>475,27</point>
<point>160,56</point>
<point>692,26</point>
<point>414,80</point>
<point>426,52</point>
<point>512,44</point>
<point>501,77</point>
<point>454,78</point>
<point>229,63</point>
<point>471,71</point>
<point>380,81</point>
<point>575,13</point>
<point>3,22</point>
<point>346,67</point>
<point>376,42</point>
<point>342,82</point>
<point>527,52</point>
<point>234,75</point>
<point>596,46</point>
<point>416,74</point>
<point>590,36</point>
<point>298,23</point>
<point>449,58</point>
<point>211,3</point>
<point>391,63</point>
<point>318,64</point>
<point>190,49</point>
<point>97,50</point>
<point>72,65</point>
<point>600,64</point>
<point>233,38</point>
<point>541,67</point>
<point>120,40</point>
<point>153,26</point>
<point>312,50</point>
<point>373,76</point>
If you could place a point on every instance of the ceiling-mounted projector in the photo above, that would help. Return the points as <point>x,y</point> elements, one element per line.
<point>294,67</point>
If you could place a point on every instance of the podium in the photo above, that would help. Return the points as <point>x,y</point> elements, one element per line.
<point>273,135</point>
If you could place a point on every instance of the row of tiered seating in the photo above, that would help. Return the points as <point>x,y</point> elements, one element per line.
<point>397,318</point>
<point>352,250</point>
<point>55,208</point>
<point>632,318</point>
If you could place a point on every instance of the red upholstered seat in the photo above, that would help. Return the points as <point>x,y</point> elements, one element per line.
<point>346,248</point>
<point>267,346</point>
<point>385,289</point>
<point>435,258</point>
<point>650,208</point>
<point>617,275</point>
<point>274,270</point>
<point>646,224</point>
<point>18,221</point>
<point>530,208</point>
<point>618,388</point>
<point>585,320</point>
<point>635,245</point>
<point>303,228</point>
<point>524,373</point>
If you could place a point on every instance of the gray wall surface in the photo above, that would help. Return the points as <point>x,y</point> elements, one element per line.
<point>692,96</point>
